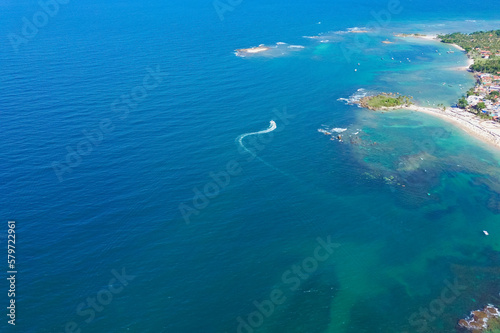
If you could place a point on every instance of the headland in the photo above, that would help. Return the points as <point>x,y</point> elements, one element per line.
<point>478,113</point>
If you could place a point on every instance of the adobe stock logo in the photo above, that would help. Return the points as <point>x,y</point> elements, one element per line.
<point>426,315</point>
<point>30,28</point>
<point>121,107</point>
<point>221,7</point>
<point>97,303</point>
<point>291,280</point>
<point>383,18</point>
<point>220,179</point>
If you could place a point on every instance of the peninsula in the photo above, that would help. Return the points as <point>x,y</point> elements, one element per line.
<point>478,113</point>
<point>483,47</point>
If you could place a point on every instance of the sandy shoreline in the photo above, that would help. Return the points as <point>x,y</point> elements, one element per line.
<point>458,47</point>
<point>429,37</point>
<point>470,62</point>
<point>485,130</point>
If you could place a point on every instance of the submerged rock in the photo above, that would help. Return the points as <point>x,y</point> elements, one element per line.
<point>493,203</point>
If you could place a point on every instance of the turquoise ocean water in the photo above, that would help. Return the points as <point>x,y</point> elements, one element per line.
<point>115,117</point>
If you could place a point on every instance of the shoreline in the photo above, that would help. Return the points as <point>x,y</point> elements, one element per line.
<point>470,62</point>
<point>484,130</point>
<point>458,47</point>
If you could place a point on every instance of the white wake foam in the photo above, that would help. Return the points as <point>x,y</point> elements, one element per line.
<point>356,97</point>
<point>272,127</point>
<point>279,49</point>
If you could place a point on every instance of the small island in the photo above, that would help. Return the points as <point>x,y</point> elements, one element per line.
<point>385,101</point>
<point>252,50</point>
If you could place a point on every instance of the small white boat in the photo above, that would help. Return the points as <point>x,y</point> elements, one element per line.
<point>486,232</point>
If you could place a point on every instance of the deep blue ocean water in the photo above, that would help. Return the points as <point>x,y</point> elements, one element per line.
<point>405,199</point>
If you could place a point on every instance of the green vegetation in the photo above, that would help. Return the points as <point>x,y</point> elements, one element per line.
<point>491,66</point>
<point>462,103</point>
<point>472,92</point>
<point>411,35</point>
<point>477,110</point>
<point>474,43</point>
<point>493,96</point>
<point>382,101</point>
<point>485,40</point>
<point>493,325</point>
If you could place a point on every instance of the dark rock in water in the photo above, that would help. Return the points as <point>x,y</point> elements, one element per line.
<point>440,213</point>
<point>494,203</point>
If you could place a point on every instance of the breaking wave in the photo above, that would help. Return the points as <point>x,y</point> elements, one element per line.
<point>279,49</point>
<point>354,98</point>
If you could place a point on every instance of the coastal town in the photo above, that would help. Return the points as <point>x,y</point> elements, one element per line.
<point>484,98</point>
<point>483,48</point>
<point>477,112</point>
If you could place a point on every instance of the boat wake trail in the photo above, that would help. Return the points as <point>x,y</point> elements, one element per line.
<point>272,127</point>
<point>239,139</point>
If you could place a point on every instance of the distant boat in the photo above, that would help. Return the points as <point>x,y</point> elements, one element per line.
<point>486,232</point>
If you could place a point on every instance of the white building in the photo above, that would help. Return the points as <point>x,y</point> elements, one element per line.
<point>473,100</point>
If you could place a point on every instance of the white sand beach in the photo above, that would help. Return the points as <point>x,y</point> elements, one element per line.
<point>458,47</point>
<point>470,62</point>
<point>485,130</point>
<point>428,37</point>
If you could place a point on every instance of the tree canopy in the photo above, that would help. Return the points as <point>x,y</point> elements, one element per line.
<point>483,40</point>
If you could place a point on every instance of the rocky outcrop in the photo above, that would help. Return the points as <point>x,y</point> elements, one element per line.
<point>481,320</point>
